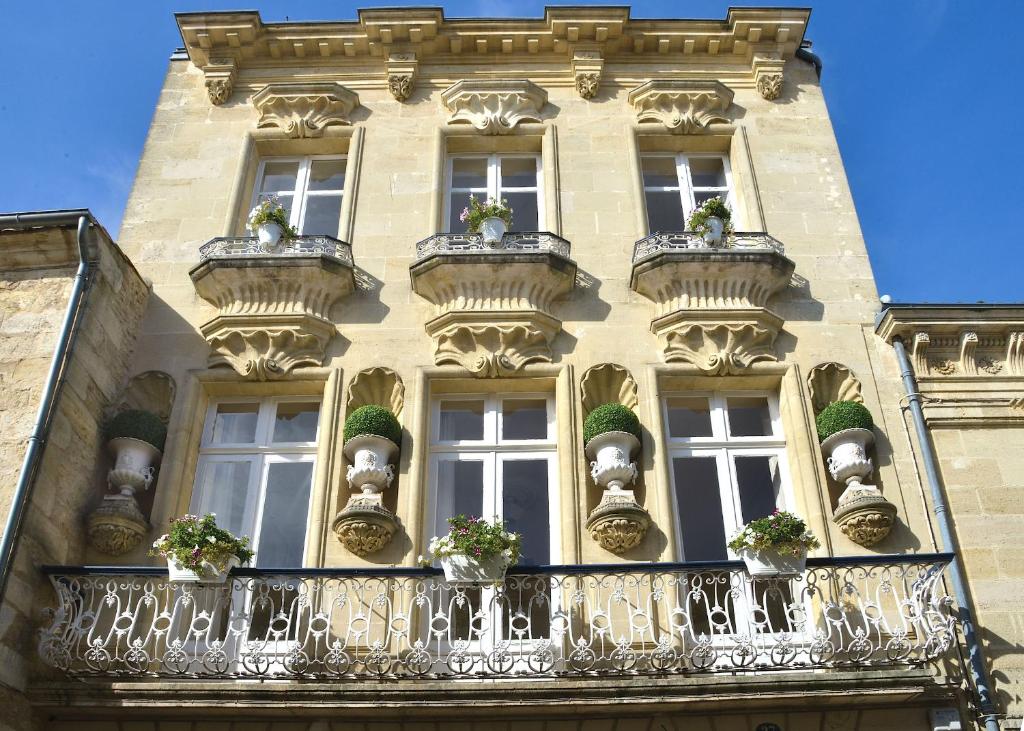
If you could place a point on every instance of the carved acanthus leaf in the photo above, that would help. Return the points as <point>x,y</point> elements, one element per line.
<point>831,382</point>
<point>379,386</point>
<point>492,351</point>
<point>304,109</point>
<point>494,107</point>
<point>587,67</point>
<point>768,76</point>
<point>365,526</point>
<point>684,107</point>
<point>607,383</point>
<point>220,79</point>
<point>720,349</point>
<point>267,353</point>
<point>618,523</point>
<point>116,526</point>
<point>401,70</point>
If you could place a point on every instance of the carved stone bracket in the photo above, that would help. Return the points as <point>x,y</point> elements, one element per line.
<point>220,77</point>
<point>494,107</point>
<point>378,386</point>
<point>921,343</point>
<point>402,69</point>
<point>865,516</point>
<point>492,350</point>
<point>304,109</point>
<point>117,525</point>
<point>684,107</point>
<point>830,382</point>
<point>618,523</point>
<point>968,348</point>
<point>723,344</point>
<point>607,383</point>
<point>769,75</point>
<point>587,67</point>
<point>365,526</point>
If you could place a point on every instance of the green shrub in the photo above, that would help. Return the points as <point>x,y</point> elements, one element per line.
<point>374,420</point>
<point>840,415</point>
<point>142,425</point>
<point>610,417</point>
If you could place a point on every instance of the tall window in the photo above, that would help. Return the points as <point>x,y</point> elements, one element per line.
<point>310,188</point>
<point>728,467</point>
<point>516,178</point>
<point>256,464</point>
<point>676,184</point>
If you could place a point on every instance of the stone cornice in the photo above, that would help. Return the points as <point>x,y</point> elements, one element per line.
<point>304,109</point>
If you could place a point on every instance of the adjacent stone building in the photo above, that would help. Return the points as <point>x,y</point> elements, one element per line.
<point>604,133</point>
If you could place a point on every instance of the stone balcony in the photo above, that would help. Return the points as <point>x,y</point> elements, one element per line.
<point>712,300</point>
<point>880,613</point>
<point>273,302</point>
<point>493,302</point>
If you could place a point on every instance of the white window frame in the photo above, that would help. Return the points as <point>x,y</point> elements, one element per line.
<point>301,193</point>
<point>684,184</point>
<point>494,188</point>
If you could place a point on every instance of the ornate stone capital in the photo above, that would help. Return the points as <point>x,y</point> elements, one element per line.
<point>365,526</point>
<point>587,67</point>
<point>864,516</point>
<point>768,75</point>
<point>304,109</point>
<point>618,523</point>
<point>494,107</point>
<point>220,79</point>
<point>402,69</point>
<point>117,525</point>
<point>684,107</point>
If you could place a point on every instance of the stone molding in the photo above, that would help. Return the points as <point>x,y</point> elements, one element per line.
<point>830,382</point>
<point>494,107</point>
<point>304,110</point>
<point>378,386</point>
<point>619,522</point>
<point>587,67</point>
<point>607,383</point>
<point>402,69</point>
<point>683,106</point>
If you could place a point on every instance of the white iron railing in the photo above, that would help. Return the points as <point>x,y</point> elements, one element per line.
<point>467,243</point>
<point>564,620</point>
<point>250,246</point>
<point>691,240</point>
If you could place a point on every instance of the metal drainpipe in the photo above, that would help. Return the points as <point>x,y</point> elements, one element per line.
<point>54,380</point>
<point>963,600</point>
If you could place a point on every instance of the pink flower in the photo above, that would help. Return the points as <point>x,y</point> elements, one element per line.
<point>464,215</point>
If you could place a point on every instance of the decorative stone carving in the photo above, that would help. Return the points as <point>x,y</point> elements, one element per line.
<point>865,517</point>
<point>220,79</point>
<point>612,454</point>
<point>768,76</point>
<point>378,386</point>
<point>370,458</point>
<point>401,69</point>
<point>134,465</point>
<point>117,525</point>
<point>968,348</point>
<point>618,523</point>
<point>721,348</point>
<point>920,355</point>
<point>989,365</point>
<point>365,526</point>
<point>494,107</point>
<point>684,107</point>
<point>607,383</point>
<point>304,109</point>
<point>1015,353</point>
<point>831,382</point>
<point>149,391</point>
<point>944,367</point>
<point>491,351</point>
<point>273,309</point>
<point>587,67</point>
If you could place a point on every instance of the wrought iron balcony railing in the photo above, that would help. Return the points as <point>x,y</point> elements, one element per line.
<point>683,240</point>
<point>230,246</point>
<point>466,243</point>
<point>548,621</point>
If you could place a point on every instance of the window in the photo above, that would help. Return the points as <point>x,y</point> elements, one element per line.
<point>515,178</point>
<point>255,472</point>
<point>674,185</point>
<point>310,188</point>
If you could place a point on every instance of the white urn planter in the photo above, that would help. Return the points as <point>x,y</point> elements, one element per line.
<point>493,229</point>
<point>611,454</point>
<point>460,569</point>
<point>370,458</point>
<point>269,233</point>
<point>715,230</point>
<point>208,573</point>
<point>847,455</point>
<point>134,465</point>
<point>773,563</point>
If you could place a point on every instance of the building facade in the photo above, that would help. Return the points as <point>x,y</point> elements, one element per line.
<point>603,132</point>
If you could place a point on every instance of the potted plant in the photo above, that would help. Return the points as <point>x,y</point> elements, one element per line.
<point>775,545</point>
<point>611,435</point>
<point>372,436</point>
<point>713,219</point>
<point>475,551</point>
<point>197,551</point>
<point>269,221</point>
<point>844,428</point>
<point>491,218</point>
<point>136,439</point>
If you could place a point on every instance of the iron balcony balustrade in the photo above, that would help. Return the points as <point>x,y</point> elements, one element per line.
<point>569,621</point>
<point>677,241</point>
<point>468,243</point>
<point>250,246</point>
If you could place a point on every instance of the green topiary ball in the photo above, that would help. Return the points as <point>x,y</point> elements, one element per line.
<point>840,415</point>
<point>610,417</point>
<point>374,420</point>
<point>142,425</point>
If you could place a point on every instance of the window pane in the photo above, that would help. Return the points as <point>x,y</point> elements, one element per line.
<point>689,417</point>
<point>524,506</point>
<point>235,424</point>
<point>524,419</point>
<point>700,508</point>
<point>660,172</point>
<point>460,490</point>
<point>322,215</point>
<point>707,172</point>
<point>749,417</point>
<point>664,211</point>
<point>518,172</point>
<point>524,210</point>
<point>459,202</point>
<point>285,510</point>
<point>224,491</point>
<point>279,176</point>
<point>469,172</point>
<point>462,421</point>
<point>327,175</point>
<point>296,422</point>
<point>757,479</point>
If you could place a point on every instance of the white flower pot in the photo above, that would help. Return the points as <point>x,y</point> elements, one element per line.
<point>715,230</point>
<point>134,464</point>
<point>269,233</point>
<point>773,563</point>
<point>370,457</point>
<point>612,466</point>
<point>848,460</point>
<point>207,575</point>
<point>461,569</point>
<point>493,229</point>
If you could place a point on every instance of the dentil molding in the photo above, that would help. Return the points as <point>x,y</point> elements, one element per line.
<point>304,109</point>
<point>494,107</point>
<point>683,106</point>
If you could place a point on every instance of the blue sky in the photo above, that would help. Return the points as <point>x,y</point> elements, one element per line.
<point>925,98</point>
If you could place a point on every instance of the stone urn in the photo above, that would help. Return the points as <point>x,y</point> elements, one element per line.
<point>134,465</point>
<point>846,455</point>
<point>715,229</point>
<point>493,229</point>
<point>370,458</point>
<point>862,512</point>
<point>611,454</point>
<point>365,525</point>
<point>269,233</point>
<point>618,523</point>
